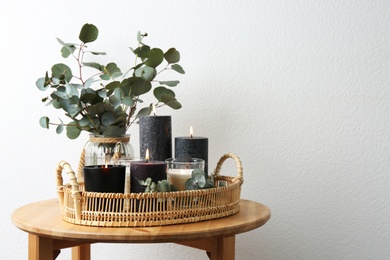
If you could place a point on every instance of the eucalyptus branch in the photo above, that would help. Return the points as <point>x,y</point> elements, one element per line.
<point>94,107</point>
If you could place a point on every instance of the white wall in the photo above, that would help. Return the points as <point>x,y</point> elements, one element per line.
<point>298,89</point>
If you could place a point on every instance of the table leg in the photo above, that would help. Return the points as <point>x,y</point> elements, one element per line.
<point>82,252</point>
<point>218,248</point>
<point>225,249</point>
<point>40,248</point>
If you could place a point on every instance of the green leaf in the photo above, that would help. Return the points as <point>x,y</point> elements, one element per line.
<point>172,56</point>
<point>59,95</point>
<point>146,72</point>
<point>142,51</point>
<point>197,172</point>
<point>115,101</point>
<point>59,129</point>
<point>72,132</point>
<point>88,33</point>
<point>84,121</point>
<point>94,65</point>
<point>114,130</point>
<point>170,83</point>
<point>140,87</point>
<point>87,95</point>
<point>44,122</point>
<point>191,184</point>
<point>61,72</point>
<point>41,84</point>
<point>67,48</point>
<point>71,90</point>
<point>98,53</point>
<point>107,118</point>
<point>200,179</point>
<point>178,68</point>
<point>159,91</point>
<point>154,57</point>
<point>170,101</point>
<point>128,101</point>
<point>87,83</point>
<point>113,85</point>
<point>144,112</point>
<point>112,70</point>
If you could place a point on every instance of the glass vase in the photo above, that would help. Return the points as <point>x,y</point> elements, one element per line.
<point>102,150</point>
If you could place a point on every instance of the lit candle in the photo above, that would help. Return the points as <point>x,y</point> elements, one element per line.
<point>155,134</point>
<point>180,171</point>
<point>178,177</point>
<point>105,178</point>
<point>141,170</point>
<point>192,147</point>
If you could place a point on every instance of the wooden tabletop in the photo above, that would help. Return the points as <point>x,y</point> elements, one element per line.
<point>44,218</point>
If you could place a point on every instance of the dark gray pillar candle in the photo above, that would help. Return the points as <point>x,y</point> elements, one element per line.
<point>192,147</point>
<point>155,134</point>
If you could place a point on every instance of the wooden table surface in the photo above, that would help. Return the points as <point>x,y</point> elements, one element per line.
<point>43,219</point>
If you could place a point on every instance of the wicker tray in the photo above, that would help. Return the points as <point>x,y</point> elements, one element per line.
<point>148,209</point>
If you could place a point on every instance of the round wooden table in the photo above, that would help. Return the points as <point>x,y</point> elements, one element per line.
<point>48,233</point>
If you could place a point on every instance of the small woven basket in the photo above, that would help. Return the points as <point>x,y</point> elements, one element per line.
<point>149,209</point>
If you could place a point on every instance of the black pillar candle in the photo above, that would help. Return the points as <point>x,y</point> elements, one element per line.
<point>192,147</point>
<point>155,134</point>
<point>102,178</point>
<point>141,170</point>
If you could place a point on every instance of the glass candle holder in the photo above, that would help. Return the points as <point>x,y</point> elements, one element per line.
<point>180,170</point>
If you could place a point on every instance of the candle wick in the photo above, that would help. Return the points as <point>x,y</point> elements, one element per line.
<point>147,160</point>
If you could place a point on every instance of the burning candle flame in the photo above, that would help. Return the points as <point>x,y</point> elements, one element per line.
<point>106,164</point>
<point>147,155</point>
<point>153,112</point>
<point>191,132</point>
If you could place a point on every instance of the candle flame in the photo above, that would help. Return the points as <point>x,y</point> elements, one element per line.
<point>153,112</point>
<point>191,132</point>
<point>147,155</point>
<point>106,164</point>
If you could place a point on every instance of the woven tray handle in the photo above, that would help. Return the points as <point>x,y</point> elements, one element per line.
<point>238,165</point>
<point>76,193</point>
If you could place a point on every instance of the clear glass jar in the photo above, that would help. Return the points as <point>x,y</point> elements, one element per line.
<point>101,150</point>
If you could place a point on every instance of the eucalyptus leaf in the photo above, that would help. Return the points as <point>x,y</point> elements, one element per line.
<point>44,122</point>
<point>142,51</point>
<point>88,33</point>
<point>114,101</point>
<point>140,87</point>
<point>98,53</point>
<point>144,112</point>
<point>170,101</point>
<point>72,132</point>
<point>94,65</point>
<point>172,56</point>
<point>154,57</point>
<point>113,130</point>
<point>170,83</point>
<point>128,101</point>
<point>41,84</point>
<point>84,121</point>
<point>87,95</point>
<point>59,129</point>
<point>146,72</point>
<point>87,83</point>
<point>178,68</point>
<point>112,70</point>
<point>113,85</point>
<point>107,118</point>
<point>61,72</point>
<point>159,91</point>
